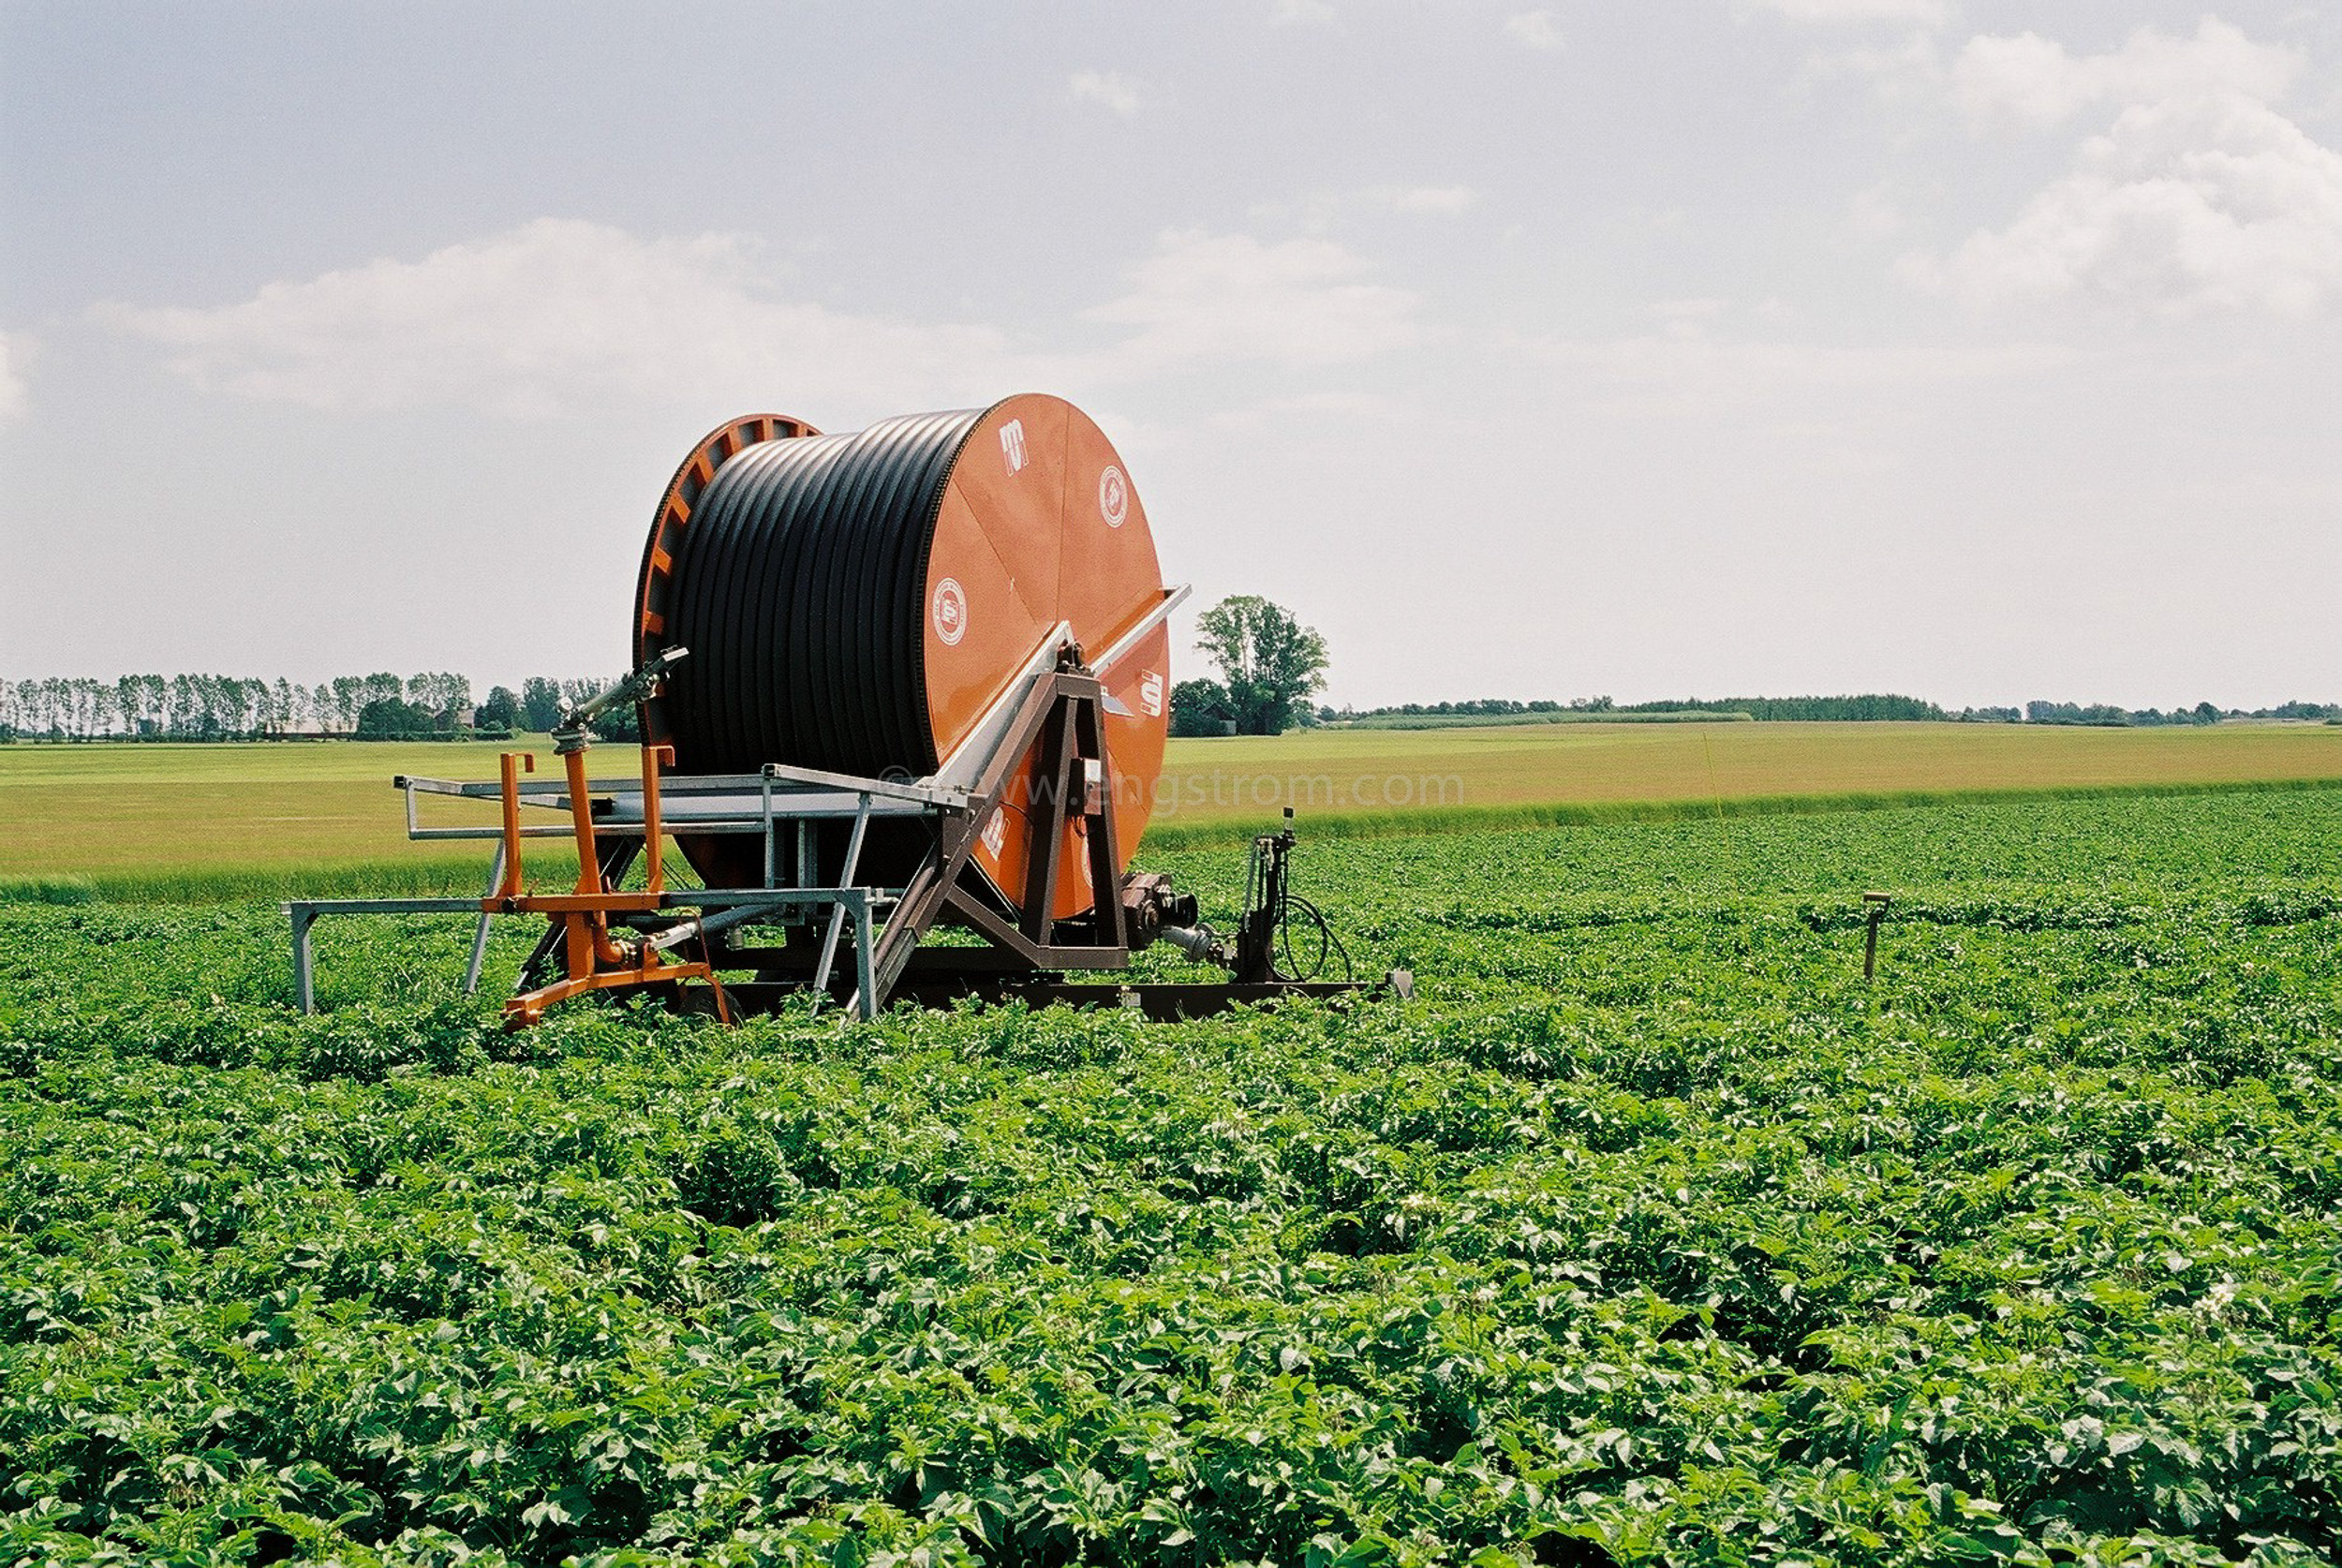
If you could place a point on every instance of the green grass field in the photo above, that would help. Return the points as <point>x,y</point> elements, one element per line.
<point>1504,766</point>
<point>165,820</point>
<point>213,821</point>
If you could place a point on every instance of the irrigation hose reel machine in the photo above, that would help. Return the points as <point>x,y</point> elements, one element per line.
<point>896,683</point>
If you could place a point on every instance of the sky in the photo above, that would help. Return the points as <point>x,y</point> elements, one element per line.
<point>1983,351</point>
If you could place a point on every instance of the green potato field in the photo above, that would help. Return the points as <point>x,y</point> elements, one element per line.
<point>1646,1233</point>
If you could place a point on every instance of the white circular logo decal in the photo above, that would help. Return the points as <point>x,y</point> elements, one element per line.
<point>948,609</point>
<point>1114,497</point>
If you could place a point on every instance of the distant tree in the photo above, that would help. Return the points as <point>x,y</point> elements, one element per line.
<point>374,687</point>
<point>440,694</point>
<point>501,711</point>
<point>622,724</point>
<point>391,718</point>
<point>348,694</point>
<point>183,712</point>
<point>541,703</point>
<point>242,704</point>
<point>1201,707</point>
<point>88,706</point>
<point>1269,662</point>
<point>1835,710</point>
<point>2072,713</point>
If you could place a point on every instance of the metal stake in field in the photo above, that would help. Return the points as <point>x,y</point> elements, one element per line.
<point>1876,904</point>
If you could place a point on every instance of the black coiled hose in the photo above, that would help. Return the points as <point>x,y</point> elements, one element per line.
<point>801,595</point>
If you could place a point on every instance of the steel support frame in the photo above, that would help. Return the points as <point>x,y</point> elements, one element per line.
<point>855,904</point>
<point>1064,713</point>
<point>1057,723</point>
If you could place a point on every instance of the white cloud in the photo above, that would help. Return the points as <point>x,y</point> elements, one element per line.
<point>550,317</point>
<point>559,315</point>
<point>1874,215</point>
<point>1288,13</point>
<point>1322,210</point>
<point>1445,200</point>
<point>1904,73</point>
<point>14,350</point>
<point>1277,414</point>
<point>1229,297</point>
<point>1924,11</point>
<point>1111,88</point>
<point>1683,372</point>
<point>2187,205</point>
<point>2030,83</point>
<point>1688,317</point>
<point>1533,29</point>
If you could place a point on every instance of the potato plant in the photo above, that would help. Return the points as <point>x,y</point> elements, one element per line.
<point>1647,1234</point>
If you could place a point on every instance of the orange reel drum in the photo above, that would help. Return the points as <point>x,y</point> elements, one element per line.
<point>863,601</point>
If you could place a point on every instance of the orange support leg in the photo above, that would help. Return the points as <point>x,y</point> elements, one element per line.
<point>652,757</point>
<point>595,961</point>
<point>511,764</point>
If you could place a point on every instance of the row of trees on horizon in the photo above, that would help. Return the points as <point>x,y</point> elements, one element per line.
<point>1262,689</point>
<point>194,707</point>
<point>1866,707</point>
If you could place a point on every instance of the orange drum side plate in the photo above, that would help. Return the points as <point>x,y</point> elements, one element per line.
<point>1040,524</point>
<point>674,515</point>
